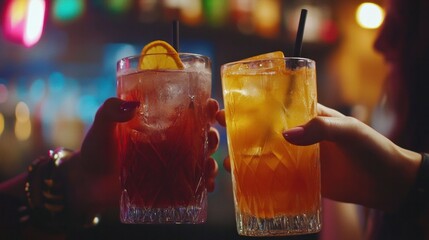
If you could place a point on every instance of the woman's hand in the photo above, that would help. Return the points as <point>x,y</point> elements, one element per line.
<point>358,164</point>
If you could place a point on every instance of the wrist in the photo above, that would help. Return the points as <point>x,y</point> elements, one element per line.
<point>410,168</point>
<point>397,178</point>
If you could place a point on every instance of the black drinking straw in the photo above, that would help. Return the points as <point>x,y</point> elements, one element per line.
<point>176,35</point>
<point>300,34</point>
<point>297,50</point>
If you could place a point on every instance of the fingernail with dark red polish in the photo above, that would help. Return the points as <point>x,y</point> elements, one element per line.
<point>129,106</point>
<point>293,132</point>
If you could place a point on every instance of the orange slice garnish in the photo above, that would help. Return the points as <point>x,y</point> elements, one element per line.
<point>159,55</point>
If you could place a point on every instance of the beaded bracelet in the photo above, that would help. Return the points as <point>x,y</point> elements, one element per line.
<point>45,190</point>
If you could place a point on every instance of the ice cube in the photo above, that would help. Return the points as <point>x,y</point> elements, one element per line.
<point>169,93</point>
<point>161,104</point>
<point>196,64</point>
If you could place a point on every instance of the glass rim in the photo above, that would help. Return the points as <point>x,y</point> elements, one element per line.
<point>247,61</point>
<point>137,56</point>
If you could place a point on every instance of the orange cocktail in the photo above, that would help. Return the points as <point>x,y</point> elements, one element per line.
<point>276,184</point>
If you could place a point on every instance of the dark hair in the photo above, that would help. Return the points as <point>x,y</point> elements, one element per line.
<point>410,90</point>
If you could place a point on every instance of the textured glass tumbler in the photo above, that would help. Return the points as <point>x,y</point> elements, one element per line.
<point>276,184</point>
<point>163,149</point>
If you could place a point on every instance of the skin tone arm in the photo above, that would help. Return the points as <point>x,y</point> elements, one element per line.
<point>359,165</point>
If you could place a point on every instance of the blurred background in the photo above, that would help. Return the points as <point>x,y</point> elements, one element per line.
<point>58,61</point>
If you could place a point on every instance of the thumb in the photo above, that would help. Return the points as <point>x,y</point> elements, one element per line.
<point>114,110</point>
<point>319,129</point>
<point>98,148</point>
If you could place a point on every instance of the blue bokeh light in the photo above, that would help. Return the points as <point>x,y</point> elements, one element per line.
<point>114,52</point>
<point>56,82</point>
<point>87,106</point>
<point>37,90</point>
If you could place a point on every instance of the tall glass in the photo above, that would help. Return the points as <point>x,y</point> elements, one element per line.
<point>163,149</point>
<point>276,184</point>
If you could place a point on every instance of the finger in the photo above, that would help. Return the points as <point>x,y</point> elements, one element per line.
<point>115,110</point>
<point>211,173</point>
<point>112,111</point>
<point>227,164</point>
<point>212,109</point>
<point>312,132</point>
<point>220,117</point>
<point>213,140</point>
<point>319,129</point>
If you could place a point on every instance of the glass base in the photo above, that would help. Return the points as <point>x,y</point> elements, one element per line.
<point>130,213</point>
<point>180,215</point>
<point>248,225</point>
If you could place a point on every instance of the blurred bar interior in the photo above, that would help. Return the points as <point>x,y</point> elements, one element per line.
<point>58,61</point>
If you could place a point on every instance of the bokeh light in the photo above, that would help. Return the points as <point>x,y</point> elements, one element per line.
<point>37,90</point>
<point>242,15</point>
<point>35,21</point>
<point>369,15</point>
<point>67,10</point>
<point>24,20</point>
<point>23,123</point>
<point>267,17</point>
<point>172,3</point>
<point>4,93</point>
<point>14,19</point>
<point>87,106</point>
<point>191,12</point>
<point>23,130</point>
<point>215,12</point>
<point>95,220</point>
<point>2,124</point>
<point>22,112</point>
<point>118,6</point>
<point>329,31</point>
<point>56,82</point>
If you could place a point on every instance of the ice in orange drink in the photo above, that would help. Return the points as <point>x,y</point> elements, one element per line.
<point>276,184</point>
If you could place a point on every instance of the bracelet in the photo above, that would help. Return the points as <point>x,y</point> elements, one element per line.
<point>45,191</point>
<point>422,183</point>
<point>422,180</point>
